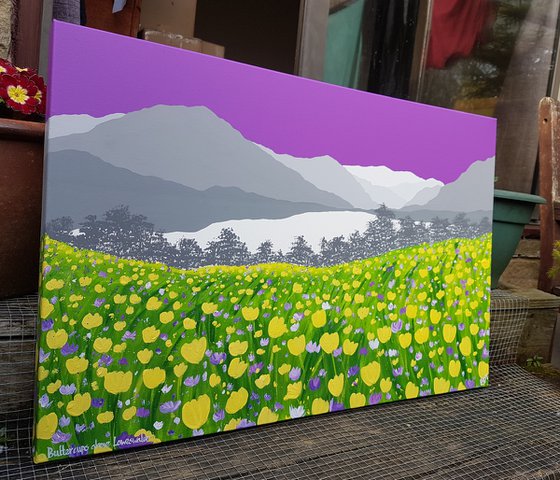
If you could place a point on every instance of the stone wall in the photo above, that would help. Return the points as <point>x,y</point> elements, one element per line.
<point>6,8</point>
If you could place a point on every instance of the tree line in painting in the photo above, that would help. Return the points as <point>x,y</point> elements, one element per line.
<point>128,235</point>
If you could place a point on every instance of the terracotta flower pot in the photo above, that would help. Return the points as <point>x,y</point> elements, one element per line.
<point>21,182</point>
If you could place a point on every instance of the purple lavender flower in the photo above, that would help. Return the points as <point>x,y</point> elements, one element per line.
<point>123,361</point>
<point>295,373</point>
<point>218,415</point>
<point>337,352</point>
<point>298,316</point>
<point>375,398</point>
<point>67,389</point>
<point>43,356</point>
<point>255,397</point>
<point>218,358</point>
<point>255,368</point>
<point>396,326</point>
<point>44,401</point>
<point>142,412</point>
<point>64,421</point>
<point>105,360</point>
<point>47,325</point>
<point>363,351</point>
<point>287,306</point>
<point>80,427</point>
<point>129,336</point>
<point>244,423</point>
<point>267,397</point>
<point>191,381</point>
<point>98,302</point>
<point>469,383</point>
<point>102,274</point>
<point>397,371</point>
<point>315,383</point>
<point>60,437</point>
<point>335,406</point>
<point>353,371</point>
<point>97,402</point>
<point>264,342</point>
<point>197,432</point>
<point>68,349</point>
<point>278,406</point>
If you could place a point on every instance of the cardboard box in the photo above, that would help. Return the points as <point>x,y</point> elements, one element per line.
<point>180,41</point>
<point>176,16</point>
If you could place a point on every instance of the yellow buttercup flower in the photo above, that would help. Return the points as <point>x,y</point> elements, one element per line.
<point>134,299</point>
<point>118,299</point>
<point>349,347</point>
<point>363,312</point>
<point>357,400</point>
<point>435,316</point>
<point>329,342</point>
<point>293,391</point>
<point>250,313</point>
<point>284,368</point>
<point>180,369</point>
<point>195,412</point>
<point>117,382</point>
<point>129,413</point>
<point>102,344</point>
<point>384,334</point>
<point>449,332</point>
<point>277,327</point>
<point>209,308</point>
<point>79,405</point>
<point>166,317</point>
<point>386,384</point>
<point>193,352</point>
<point>54,386</point>
<point>336,385</point>
<point>296,345</point>
<point>267,416</point>
<point>421,335</point>
<point>153,377</point>
<point>237,400</point>
<point>54,284</point>
<point>483,369</point>
<point>150,334</point>
<point>237,368</point>
<point>144,356</point>
<point>263,380</point>
<point>405,339</point>
<point>214,380</point>
<point>56,338</point>
<point>232,424</point>
<point>238,348</point>
<point>441,385</point>
<point>92,320</point>
<point>411,311</point>
<point>46,426</point>
<point>105,417</point>
<point>84,281</point>
<point>454,368</point>
<point>465,346</point>
<point>189,324</point>
<point>411,390</point>
<point>370,373</point>
<point>119,326</point>
<point>319,406</point>
<point>45,308</point>
<point>153,303</point>
<point>319,318</point>
<point>76,365</point>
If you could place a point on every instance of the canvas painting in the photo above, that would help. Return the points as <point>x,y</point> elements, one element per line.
<point>226,246</point>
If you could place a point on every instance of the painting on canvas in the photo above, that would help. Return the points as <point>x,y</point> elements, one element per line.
<point>226,246</point>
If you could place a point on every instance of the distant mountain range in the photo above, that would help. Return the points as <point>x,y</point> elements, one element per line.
<point>185,169</point>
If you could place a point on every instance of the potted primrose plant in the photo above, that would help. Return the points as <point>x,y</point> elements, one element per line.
<point>22,129</point>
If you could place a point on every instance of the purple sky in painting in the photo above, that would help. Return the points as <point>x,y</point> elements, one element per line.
<point>97,73</point>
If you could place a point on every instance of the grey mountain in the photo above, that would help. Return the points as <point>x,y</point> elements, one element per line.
<point>425,195</point>
<point>194,147</point>
<point>327,174</point>
<point>95,186</point>
<point>381,194</point>
<point>472,191</point>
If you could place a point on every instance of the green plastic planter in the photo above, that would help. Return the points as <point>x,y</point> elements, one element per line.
<point>512,211</point>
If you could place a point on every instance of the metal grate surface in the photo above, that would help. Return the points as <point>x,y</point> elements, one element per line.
<point>508,431</point>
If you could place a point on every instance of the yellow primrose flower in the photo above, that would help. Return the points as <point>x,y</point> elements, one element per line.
<point>357,400</point>
<point>209,308</point>
<point>46,308</point>
<point>250,313</point>
<point>473,328</point>
<point>237,368</point>
<point>296,345</point>
<point>336,385</point>
<point>118,299</point>
<point>386,384</point>
<point>76,365</point>
<point>277,327</point>
<point>214,380</point>
<point>449,332</point>
<point>411,390</point>
<point>189,324</point>
<point>92,320</point>
<point>238,348</point>
<point>166,317</point>
<point>153,377</point>
<point>267,416</point>
<point>153,303</point>
<point>84,281</point>
<point>237,400</point>
<point>405,339</point>
<point>358,298</point>
<point>232,424</point>
<point>319,318</point>
<point>150,334</point>
<point>193,352</point>
<point>465,346</point>
<point>349,347</point>
<point>293,391</point>
<point>144,356</point>
<point>105,417</point>
<point>284,368</point>
<point>54,386</point>
<point>46,426</point>
<point>134,299</point>
<point>195,412</point>
<point>56,338</point>
<point>421,335</point>
<point>117,382</point>
<point>119,326</point>
<point>263,380</point>
<point>54,284</point>
<point>454,368</point>
<point>79,405</point>
<point>384,334</point>
<point>128,413</point>
<point>319,406</point>
<point>121,347</point>
<point>329,342</point>
<point>483,369</point>
<point>435,316</point>
<point>370,373</point>
<point>102,344</point>
<point>411,311</point>
<point>441,385</point>
<point>363,312</point>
